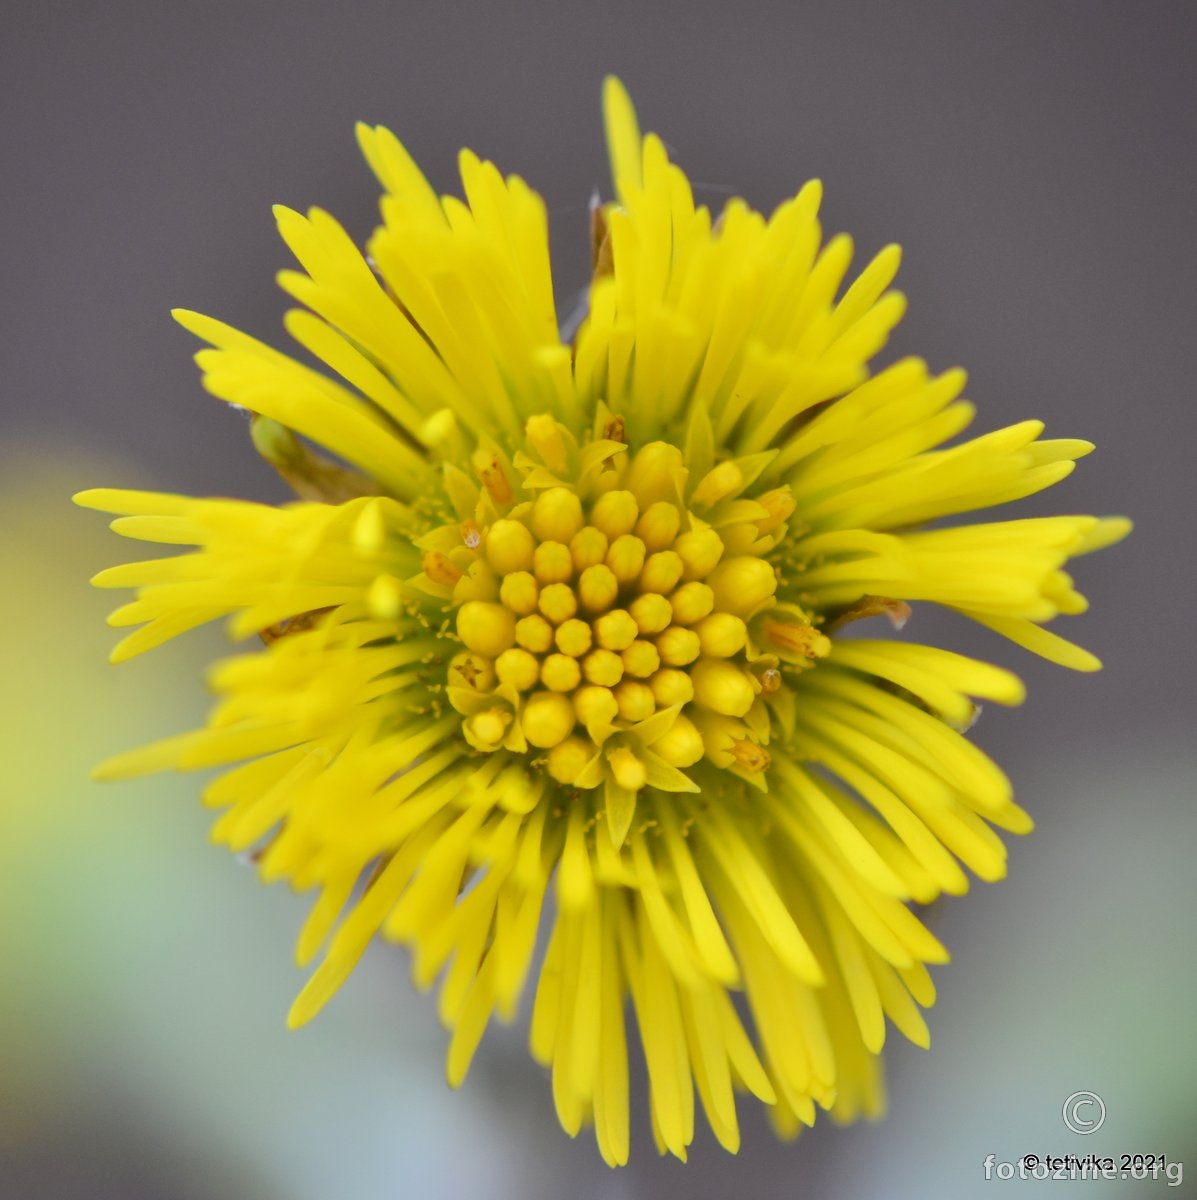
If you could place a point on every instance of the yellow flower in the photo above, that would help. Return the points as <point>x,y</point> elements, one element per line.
<point>567,618</point>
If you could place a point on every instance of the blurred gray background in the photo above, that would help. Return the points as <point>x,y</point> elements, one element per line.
<point>1036,161</point>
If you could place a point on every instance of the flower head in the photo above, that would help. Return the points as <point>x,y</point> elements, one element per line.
<point>557,638</point>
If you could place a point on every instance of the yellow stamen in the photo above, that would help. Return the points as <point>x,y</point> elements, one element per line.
<point>440,569</point>
<point>486,629</point>
<point>615,429</point>
<point>749,755</point>
<point>805,641</point>
<point>490,471</point>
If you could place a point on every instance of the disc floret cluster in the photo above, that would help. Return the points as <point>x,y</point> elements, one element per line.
<point>557,637</point>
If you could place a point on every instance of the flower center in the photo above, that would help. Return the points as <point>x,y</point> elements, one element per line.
<point>613,625</point>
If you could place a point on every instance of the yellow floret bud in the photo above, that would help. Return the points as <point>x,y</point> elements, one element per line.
<point>700,550</point>
<point>615,630</point>
<point>678,646</point>
<point>717,484</point>
<point>547,719</point>
<point>627,770</point>
<point>741,585</point>
<point>471,671</point>
<point>603,667</point>
<point>641,659</point>
<point>682,746</point>
<point>478,582</point>
<point>670,687</point>
<point>509,546</point>
<point>653,474</point>
<point>598,588</point>
<point>567,758</point>
<point>544,436</point>
<point>595,705</point>
<point>659,525</point>
<point>485,628</point>
<point>615,514</point>
<point>517,668</point>
<point>557,514</point>
<point>722,687</point>
<point>662,572</point>
<point>691,602</point>
<point>560,673</point>
<point>573,637</point>
<point>552,562</point>
<point>626,557</point>
<point>651,612</point>
<point>519,591</point>
<point>534,633</point>
<point>636,701</point>
<point>721,635</point>
<point>780,504</point>
<point>558,602</point>
<point>587,547</point>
